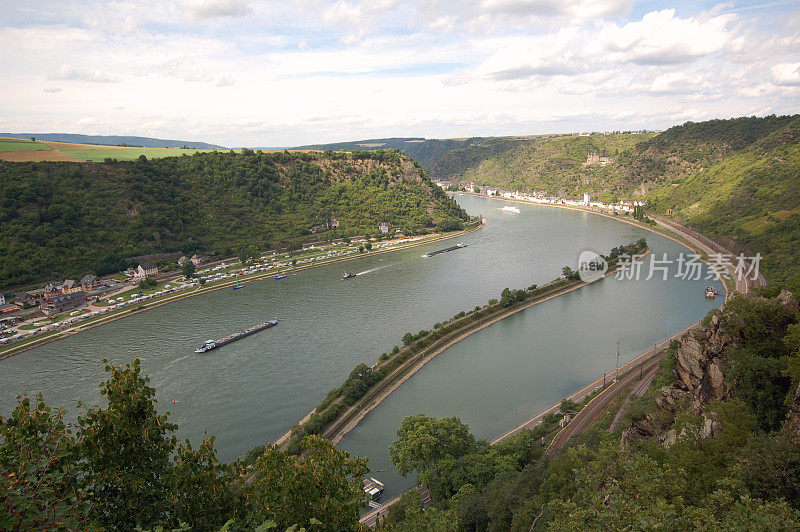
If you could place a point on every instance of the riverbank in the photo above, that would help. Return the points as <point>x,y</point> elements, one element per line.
<point>696,242</point>
<point>28,344</point>
<point>408,361</point>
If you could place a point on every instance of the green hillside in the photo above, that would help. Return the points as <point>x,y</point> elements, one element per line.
<point>67,219</point>
<point>732,179</point>
<point>425,151</point>
<point>745,187</point>
<point>553,163</point>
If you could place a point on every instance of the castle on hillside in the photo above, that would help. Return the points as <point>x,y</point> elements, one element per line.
<point>597,158</point>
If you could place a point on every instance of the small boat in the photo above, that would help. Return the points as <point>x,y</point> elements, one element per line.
<point>511,208</point>
<point>347,275</point>
<point>239,285</point>
<point>373,488</point>
<point>280,275</point>
<point>710,293</point>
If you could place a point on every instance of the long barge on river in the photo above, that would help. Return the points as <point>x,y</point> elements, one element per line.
<point>213,344</point>
<point>445,250</point>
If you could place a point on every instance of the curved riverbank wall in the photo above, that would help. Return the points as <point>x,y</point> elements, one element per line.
<point>336,415</point>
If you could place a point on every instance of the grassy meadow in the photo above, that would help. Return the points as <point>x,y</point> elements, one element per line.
<point>22,145</point>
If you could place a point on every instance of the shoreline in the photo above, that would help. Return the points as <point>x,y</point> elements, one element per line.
<point>668,229</point>
<point>336,436</point>
<point>349,419</point>
<point>12,351</point>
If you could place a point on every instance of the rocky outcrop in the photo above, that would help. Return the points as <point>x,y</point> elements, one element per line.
<point>700,359</point>
<point>793,421</point>
<point>786,299</point>
<point>698,380</point>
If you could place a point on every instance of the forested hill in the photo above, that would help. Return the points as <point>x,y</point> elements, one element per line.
<point>743,186</point>
<point>67,219</point>
<point>425,151</point>
<point>554,162</point>
<point>735,180</point>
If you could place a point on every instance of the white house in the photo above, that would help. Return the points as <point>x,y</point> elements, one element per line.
<point>587,199</point>
<point>146,270</point>
<point>384,227</point>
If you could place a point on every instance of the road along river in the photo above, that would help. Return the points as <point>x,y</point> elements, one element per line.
<point>253,390</point>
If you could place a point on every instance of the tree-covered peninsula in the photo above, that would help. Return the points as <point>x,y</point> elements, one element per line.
<point>65,219</point>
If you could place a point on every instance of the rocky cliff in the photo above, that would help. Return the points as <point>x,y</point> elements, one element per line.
<point>699,380</point>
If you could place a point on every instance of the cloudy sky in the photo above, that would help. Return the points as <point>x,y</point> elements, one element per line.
<point>258,73</point>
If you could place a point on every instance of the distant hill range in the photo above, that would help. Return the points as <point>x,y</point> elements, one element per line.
<point>425,151</point>
<point>115,140</point>
<point>735,180</point>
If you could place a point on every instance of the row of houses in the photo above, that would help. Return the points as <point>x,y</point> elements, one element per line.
<point>59,296</point>
<point>624,206</point>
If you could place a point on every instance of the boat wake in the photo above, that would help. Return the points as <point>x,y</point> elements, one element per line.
<point>511,208</point>
<point>370,271</point>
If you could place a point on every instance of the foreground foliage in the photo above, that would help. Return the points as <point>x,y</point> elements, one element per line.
<point>124,469</point>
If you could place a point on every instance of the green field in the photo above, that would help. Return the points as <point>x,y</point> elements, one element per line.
<point>22,145</point>
<point>126,154</point>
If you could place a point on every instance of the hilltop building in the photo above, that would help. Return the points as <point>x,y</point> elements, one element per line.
<point>597,158</point>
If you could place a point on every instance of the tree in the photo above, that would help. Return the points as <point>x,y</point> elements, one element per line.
<point>125,452</point>
<point>620,489</point>
<point>368,246</point>
<point>422,441</point>
<point>188,269</point>
<point>322,483</point>
<point>39,487</point>
<point>415,519</point>
<point>769,467</point>
<point>202,490</point>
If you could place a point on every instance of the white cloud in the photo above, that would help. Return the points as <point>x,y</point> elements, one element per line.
<point>51,89</point>
<point>661,38</point>
<point>67,72</point>
<point>86,121</point>
<point>786,73</point>
<point>575,8</point>
<point>350,13</point>
<point>198,10</point>
<point>355,69</point>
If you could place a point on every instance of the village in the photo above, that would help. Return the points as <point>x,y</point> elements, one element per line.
<point>63,307</point>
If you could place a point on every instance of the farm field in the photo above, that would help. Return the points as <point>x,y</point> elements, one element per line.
<point>22,150</point>
<point>98,153</point>
<point>22,145</point>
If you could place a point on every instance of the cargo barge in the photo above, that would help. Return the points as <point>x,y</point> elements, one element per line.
<point>445,250</point>
<point>213,344</point>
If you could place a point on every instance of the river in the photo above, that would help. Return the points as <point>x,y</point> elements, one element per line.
<point>255,389</point>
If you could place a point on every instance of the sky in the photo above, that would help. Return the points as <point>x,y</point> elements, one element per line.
<point>258,73</point>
